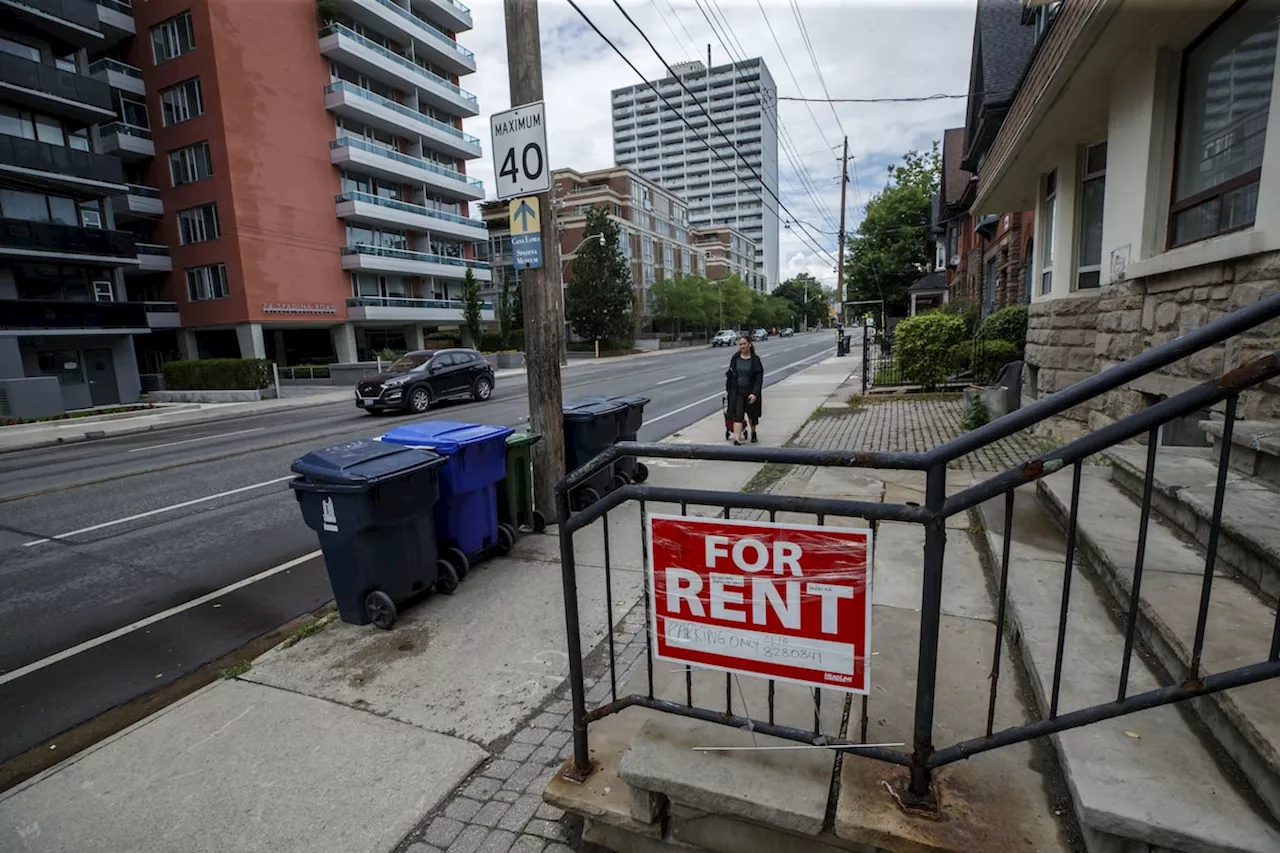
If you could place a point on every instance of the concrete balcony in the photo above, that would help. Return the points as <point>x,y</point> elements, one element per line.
<point>50,90</point>
<point>152,259</point>
<point>162,315</point>
<point>45,242</point>
<point>449,14</point>
<point>53,167</point>
<point>115,21</point>
<point>127,142</point>
<point>350,101</point>
<point>344,45</point>
<point>69,24</point>
<point>404,26</point>
<point>118,75</point>
<point>49,317</point>
<point>391,165</point>
<point>138,202</point>
<point>393,309</point>
<point>375,210</point>
<point>381,259</point>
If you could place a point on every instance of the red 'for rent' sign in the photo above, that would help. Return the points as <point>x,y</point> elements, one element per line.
<point>790,602</point>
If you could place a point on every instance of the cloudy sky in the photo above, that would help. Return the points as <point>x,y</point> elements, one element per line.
<point>865,49</point>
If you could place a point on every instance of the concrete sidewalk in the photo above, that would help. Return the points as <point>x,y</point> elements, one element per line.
<point>360,740</point>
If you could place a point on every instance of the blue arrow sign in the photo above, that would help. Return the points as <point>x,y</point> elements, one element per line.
<point>524,213</point>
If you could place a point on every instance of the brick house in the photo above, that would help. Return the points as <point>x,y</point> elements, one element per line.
<point>1141,137</point>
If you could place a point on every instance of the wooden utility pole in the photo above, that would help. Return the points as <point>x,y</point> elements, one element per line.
<point>543,300</point>
<point>844,184</point>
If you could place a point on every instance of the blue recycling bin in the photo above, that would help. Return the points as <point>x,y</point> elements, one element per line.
<point>475,463</point>
<point>372,506</point>
<point>630,420</point>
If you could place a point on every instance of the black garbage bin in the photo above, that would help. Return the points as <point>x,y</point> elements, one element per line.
<point>591,426</point>
<point>372,503</point>
<point>630,420</point>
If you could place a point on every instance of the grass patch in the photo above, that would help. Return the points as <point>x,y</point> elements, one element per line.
<point>307,630</point>
<point>70,416</point>
<point>767,477</point>
<point>235,671</point>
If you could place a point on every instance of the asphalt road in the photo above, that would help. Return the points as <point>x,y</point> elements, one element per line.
<point>128,563</point>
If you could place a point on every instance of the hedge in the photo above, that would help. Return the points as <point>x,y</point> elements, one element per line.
<point>1007,324</point>
<point>218,374</point>
<point>984,358</point>
<point>605,346</point>
<point>923,344</point>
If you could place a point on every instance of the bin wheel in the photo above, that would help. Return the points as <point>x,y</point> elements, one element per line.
<point>458,559</point>
<point>506,538</point>
<point>380,609</point>
<point>642,472</point>
<point>446,577</point>
<point>620,480</point>
<point>539,522</point>
<point>586,497</point>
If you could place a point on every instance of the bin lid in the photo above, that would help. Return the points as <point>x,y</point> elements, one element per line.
<point>518,438</point>
<point>589,408</point>
<point>364,462</point>
<point>621,399</point>
<point>446,437</point>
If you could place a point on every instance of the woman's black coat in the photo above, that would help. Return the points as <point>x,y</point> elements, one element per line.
<point>753,410</point>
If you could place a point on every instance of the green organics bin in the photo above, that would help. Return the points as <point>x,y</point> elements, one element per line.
<point>515,500</point>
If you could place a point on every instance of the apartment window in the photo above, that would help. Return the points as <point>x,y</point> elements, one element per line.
<point>205,283</point>
<point>1046,232</point>
<point>172,38</point>
<point>16,48</point>
<point>199,224</point>
<point>102,292</point>
<point>1222,124</point>
<point>190,164</point>
<point>1092,192</point>
<point>133,110</point>
<point>182,102</point>
<point>34,207</point>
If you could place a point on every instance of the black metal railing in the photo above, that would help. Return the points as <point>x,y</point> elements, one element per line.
<point>34,314</point>
<point>924,755</point>
<point>57,163</point>
<point>57,239</point>
<point>51,80</point>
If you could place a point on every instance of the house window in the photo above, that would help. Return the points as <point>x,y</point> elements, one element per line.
<point>1046,232</point>
<point>199,224</point>
<point>190,164</point>
<point>182,102</point>
<point>1093,183</point>
<point>172,38</point>
<point>1028,271</point>
<point>992,278</point>
<point>205,283</point>
<point>1222,124</point>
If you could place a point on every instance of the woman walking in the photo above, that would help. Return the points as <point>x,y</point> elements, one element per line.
<point>744,383</point>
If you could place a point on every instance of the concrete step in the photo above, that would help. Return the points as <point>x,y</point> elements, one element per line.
<point>1183,493</point>
<point>1142,783</point>
<point>1244,721</point>
<point>1255,447</point>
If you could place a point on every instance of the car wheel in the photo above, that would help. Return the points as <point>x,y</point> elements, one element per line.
<point>419,399</point>
<point>482,388</point>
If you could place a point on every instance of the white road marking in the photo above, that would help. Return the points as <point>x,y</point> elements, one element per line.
<point>668,381</point>
<point>162,509</point>
<point>717,395</point>
<point>151,620</point>
<point>201,438</point>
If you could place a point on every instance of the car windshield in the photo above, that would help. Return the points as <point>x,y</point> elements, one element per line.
<point>408,362</point>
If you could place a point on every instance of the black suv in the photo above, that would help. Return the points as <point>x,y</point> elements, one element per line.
<point>417,379</point>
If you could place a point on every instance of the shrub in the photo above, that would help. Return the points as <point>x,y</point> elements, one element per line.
<point>978,414</point>
<point>218,374</point>
<point>923,346</point>
<point>983,358</point>
<point>1007,324</point>
<point>491,342</point>
<point>517,340</point>
<point>966,310</point>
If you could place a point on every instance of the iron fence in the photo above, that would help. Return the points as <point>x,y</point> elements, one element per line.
<point>924,755</point>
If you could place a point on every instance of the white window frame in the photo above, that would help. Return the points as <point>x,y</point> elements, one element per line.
<point>1047,223</point>
<point>176,102</point>
<point>207,283</point>
<point>90,218</point>
<point>103,291</point>
<point>167,40</point>
<point>199,224</point>
<point>186,161</point>
<point>1087,177</point>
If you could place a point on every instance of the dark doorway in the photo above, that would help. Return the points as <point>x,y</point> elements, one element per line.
<point>100,368</point>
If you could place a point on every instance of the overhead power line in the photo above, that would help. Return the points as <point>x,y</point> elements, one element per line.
<point>911,100</point>
<point>808,43</point>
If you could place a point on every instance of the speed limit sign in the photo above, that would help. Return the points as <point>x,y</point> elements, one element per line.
<point>520,164</point>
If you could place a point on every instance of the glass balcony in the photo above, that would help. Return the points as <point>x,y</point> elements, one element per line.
<point>406,207</point>
<point>404,62</point>
<point>410,112</point>
<point>427,29</point>
<point>406,255</point>
<point>118,75</point>
<point>407,302</point>
<point>50,90</point>
<point>415,162</point>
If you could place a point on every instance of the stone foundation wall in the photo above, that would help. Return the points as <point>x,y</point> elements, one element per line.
<point>1073,337</point>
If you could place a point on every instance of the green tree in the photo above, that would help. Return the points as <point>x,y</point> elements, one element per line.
<point>681,300</point>
<point>728,302</point>
<point>891,248</point>
<point>807,298</point>
<point>599,298</point>
<point>472,306</point>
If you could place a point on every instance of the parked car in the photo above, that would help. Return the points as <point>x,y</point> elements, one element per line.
<point>724,338</point>
<point>759,335</point>
<point>787,332</point>
<point>417,380</point>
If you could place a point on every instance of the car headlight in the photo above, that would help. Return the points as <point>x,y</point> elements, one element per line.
<point>395,383</point>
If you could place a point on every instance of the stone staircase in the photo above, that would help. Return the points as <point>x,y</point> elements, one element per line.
<point>1203,775</point>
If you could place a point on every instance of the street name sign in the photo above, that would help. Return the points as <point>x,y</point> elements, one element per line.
<point>526,233</point>
<point>520,164</point>
<point>784,601</point>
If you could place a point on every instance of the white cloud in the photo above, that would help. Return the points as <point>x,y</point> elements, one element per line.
<point>895,48</point>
